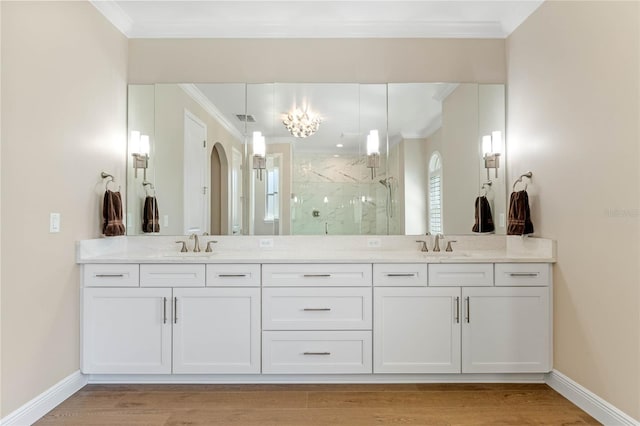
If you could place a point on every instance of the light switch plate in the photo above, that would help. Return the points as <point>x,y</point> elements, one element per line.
<point>54,222</point>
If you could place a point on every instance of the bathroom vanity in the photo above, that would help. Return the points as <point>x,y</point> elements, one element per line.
<point>346,313</point>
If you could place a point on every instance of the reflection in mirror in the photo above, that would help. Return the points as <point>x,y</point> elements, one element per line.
<point>368,159</point>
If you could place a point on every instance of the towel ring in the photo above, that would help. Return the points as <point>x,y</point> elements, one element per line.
<point>150,185</point>
<point>110,178</point>
<point>519,180</point>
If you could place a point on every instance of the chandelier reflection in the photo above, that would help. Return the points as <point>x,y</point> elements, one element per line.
<point>302,124</point>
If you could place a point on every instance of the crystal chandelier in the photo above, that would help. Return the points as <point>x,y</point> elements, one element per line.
<point>302,123</point>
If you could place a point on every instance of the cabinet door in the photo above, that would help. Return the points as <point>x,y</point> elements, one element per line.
<point>506,330</point>
<point>216,330</point>
<point>126,330</point>
<point>416,330</point>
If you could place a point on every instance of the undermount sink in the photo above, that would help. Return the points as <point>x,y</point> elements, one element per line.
<point>189,254</point>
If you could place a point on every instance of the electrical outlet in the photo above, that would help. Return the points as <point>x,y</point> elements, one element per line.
<point>501,220</point>
<point>54,222</point>
<point>266,242</point>
<point>373,242</point>
<point>166,220</point>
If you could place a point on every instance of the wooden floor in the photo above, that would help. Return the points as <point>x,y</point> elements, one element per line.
<point>265,405</point>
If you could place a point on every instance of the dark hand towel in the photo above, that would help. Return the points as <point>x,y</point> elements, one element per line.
<point>112,214</point>
<point>150,217</point>
<point>484,220</point>
<point>519,222</point>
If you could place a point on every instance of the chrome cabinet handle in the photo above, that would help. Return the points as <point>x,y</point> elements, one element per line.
<point>400,275</point>
<point>457,310</point>
<point>523,274</point>
<point>175,310</point>
<point>232,275</point>
<point>109,275</point>
<point>468,317</point>
<point>316,275</point>
<point>316,353</point>
<point>164,310</point>
<point>316,309</point>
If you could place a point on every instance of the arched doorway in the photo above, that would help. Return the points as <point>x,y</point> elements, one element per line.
<point>219,190</point>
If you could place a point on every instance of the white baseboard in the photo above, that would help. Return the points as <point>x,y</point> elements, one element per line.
<point>33,410</point>
<point>595,406</point>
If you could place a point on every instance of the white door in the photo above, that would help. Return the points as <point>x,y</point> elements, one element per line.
<point>416,330</point>
<point>196,206</point>
<point>216,330</point>
<point>236,192</point>
<point>506,330</point>
<point>126,330</point>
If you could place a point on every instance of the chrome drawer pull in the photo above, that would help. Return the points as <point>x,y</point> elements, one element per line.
<point>468,310</point>
<point>457,310</point>
<point>109,275</point>
<point>316,275</point>
<point>316,353</point>
<point>232,275</point>
<point>523,274</point>
<point>316,309</point>
<point>175,310</point>
<point>401,275</point>
<point>164,310</point>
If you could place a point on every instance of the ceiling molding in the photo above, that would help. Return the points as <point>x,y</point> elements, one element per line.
<point>445,90</point>
<point>362,29</point>
<point>212,110</point>
<point>114,13</point>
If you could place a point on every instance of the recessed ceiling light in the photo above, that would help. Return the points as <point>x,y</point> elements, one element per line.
<point>336,155</point>
<point>339,145</point>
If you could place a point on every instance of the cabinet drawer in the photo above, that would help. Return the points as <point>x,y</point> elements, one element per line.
<point>174,275</point>
<point>458,274</point>
<point>316,309</point>
<point>111,275</point>
<point>232,275</point>
<point>400,274</point>
<point>316,352</point>
<point>319,275</point>
<point>523,274</point>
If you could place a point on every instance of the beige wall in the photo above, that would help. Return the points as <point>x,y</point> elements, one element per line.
<point>64,78</point>
<point>317,60</point>
<point>573,86</point>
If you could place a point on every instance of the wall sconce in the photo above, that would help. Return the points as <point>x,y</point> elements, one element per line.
<point>373,152</point>
<point>259,154</point>
<point>140,146</point>
<point>491,145</point>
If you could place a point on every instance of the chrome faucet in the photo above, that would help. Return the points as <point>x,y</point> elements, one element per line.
<point>196,245</point>
<point>436,245</point>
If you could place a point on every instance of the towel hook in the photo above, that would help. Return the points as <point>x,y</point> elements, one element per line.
<point>525,175</point>
<point>150,185</point>
<point>486,187</point>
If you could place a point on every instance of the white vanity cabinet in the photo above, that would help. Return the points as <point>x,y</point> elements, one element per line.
<point>163,328</point>
<point>459,321</point>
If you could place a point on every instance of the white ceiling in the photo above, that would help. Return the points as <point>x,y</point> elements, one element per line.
<point>349,111</point>
<point>317,19</point>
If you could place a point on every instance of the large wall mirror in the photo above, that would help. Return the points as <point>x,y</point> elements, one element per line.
<point>311,159</point>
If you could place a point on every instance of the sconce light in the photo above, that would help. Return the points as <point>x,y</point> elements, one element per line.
<point>491,145</point>
<point>373,152</point>
<point>259,154</point>
<point>140,147</point>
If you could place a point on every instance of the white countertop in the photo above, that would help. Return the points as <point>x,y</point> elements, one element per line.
<point>333,250</point>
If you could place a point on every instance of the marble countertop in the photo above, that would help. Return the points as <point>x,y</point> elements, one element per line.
<point>386,249</point>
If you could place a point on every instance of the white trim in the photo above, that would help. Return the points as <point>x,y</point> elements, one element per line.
<point>33,410</point>
<point>595,406</point>
<point>114,14</point>
<point>202,100</point>
<point>315,378</point>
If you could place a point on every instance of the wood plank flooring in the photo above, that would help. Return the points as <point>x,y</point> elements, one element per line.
<point>352,405</point>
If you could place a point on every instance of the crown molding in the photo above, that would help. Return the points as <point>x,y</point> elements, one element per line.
<point>114,14</point>
<point>204,102</point>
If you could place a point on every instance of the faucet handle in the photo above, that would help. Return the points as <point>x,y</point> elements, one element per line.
<point>424,245</point>
<point>183,249</point>
<point>208,249</point>
<point>449,248</point>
